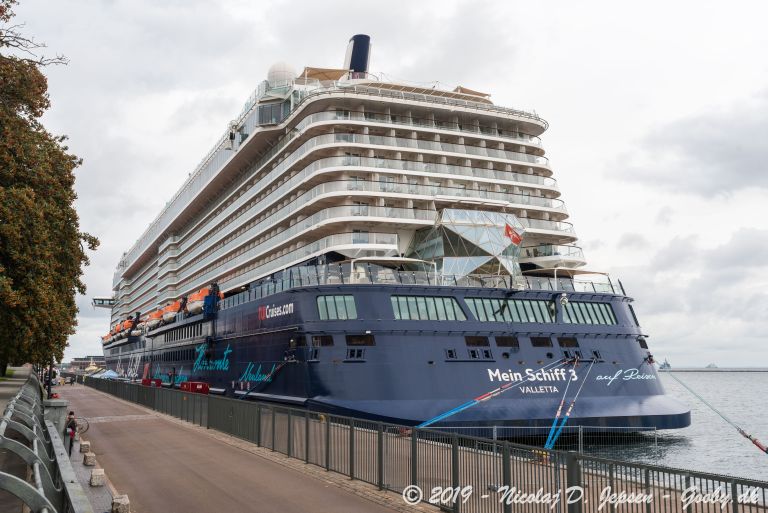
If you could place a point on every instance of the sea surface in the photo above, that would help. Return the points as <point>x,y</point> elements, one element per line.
<point>710,444</point>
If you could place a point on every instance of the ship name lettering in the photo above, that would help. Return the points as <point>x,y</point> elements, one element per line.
<point>532,375</point>
<point>541,389</point>
<point>203,364</point>
<point>625,375</point>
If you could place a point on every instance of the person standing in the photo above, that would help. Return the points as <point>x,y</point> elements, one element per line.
<point>70,428</point>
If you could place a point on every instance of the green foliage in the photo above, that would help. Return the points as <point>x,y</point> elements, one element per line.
<point>42,250</point>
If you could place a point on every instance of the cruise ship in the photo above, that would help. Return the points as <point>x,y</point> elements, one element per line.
<point>384,250</point>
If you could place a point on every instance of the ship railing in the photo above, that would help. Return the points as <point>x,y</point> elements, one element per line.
<point>341,274</point>
<point>48,484</point>
<point>461,472</point>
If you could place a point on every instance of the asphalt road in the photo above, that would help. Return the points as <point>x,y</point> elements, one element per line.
<point>168,468</point>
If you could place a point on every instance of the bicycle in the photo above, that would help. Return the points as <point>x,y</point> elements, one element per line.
<point>82,424</point>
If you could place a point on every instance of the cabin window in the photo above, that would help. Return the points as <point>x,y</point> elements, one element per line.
<point>322,340</point>
<point>510,310</point>
<point>476,341</point>
<point>426,308</point>
<point>541,342</point>
<point>575,312</point>
<point>507,341</point>
<point>480,354</point>
<point>642,342</point>
<point>338,307</point>
<point>567,342</point>
<point>361,340</point>
<point>634,317</point>
<point>450,354</point>
<point>355,354</point>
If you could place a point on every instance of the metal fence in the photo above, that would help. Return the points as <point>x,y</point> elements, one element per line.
<point>456,472</point>
<point>51,485</point>
<point>591,440</point>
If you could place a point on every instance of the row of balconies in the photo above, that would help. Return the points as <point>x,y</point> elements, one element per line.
<point>362,241</point>
<point>341,140</point>
<point>357,214</point>
<point>215,160</point>
<point>423,125</point>
<point>391,215</point>
<point>364,189</point>
<point>256,197</point>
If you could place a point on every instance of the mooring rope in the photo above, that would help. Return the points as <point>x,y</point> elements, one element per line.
<point>570,408</point>
<point>489,395</point>
<point>560,407</point>
<point>743,433</point>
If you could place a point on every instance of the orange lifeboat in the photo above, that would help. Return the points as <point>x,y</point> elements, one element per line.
<point>170,311</point>
<point>154,319</point>
<point>197,300</point>
<point>128,325</point>
<point>106,339</point>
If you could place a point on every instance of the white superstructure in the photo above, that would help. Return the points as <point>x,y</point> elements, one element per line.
<point>333,161</point>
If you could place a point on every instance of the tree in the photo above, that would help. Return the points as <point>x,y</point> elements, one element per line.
<point>42,250</point>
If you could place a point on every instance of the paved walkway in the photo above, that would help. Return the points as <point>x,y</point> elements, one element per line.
<point>167,466</point>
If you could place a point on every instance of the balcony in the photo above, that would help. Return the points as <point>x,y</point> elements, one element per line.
<point>550,255</point>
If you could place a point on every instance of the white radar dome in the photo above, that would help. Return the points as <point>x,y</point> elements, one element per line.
<point>280,73</point>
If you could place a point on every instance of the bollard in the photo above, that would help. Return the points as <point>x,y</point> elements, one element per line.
<point>121,504</point>
<point>89,459</point>
<point>98,477</point>
<point>85,446</point>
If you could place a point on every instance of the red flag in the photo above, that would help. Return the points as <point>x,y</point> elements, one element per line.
<point>512,235</point>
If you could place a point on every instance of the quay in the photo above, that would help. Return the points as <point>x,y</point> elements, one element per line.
<point>165,465</point>
<point>474,474</point>
<point>172,450</point>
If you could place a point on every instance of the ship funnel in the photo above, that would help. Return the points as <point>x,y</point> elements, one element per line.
<point>358,55</point>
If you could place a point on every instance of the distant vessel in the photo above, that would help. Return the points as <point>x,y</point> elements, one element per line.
<point>383,250</point>
<point>711,366</point>
<point>665,366</point>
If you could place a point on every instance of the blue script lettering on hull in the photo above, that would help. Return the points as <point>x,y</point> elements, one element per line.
<point>204,364</point>
<point>257,376</point>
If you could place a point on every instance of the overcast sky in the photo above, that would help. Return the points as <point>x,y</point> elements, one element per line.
<point>658,115</point>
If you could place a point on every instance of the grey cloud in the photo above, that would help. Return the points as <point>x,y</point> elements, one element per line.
<point>746,249</point>
<point>681,252</point>
<point>708,154</point>
<point>664,285</point>
<point>632,241</point>
<point>664,215</point>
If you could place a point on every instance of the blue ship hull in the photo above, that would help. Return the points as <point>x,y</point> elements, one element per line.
<point>415,370</point>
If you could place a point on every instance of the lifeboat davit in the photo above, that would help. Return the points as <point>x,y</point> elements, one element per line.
<point>170,311</point>
<point>154,319</point>
<point>139,327</point>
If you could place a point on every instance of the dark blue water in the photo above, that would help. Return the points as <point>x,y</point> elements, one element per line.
<point>710,444</point>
